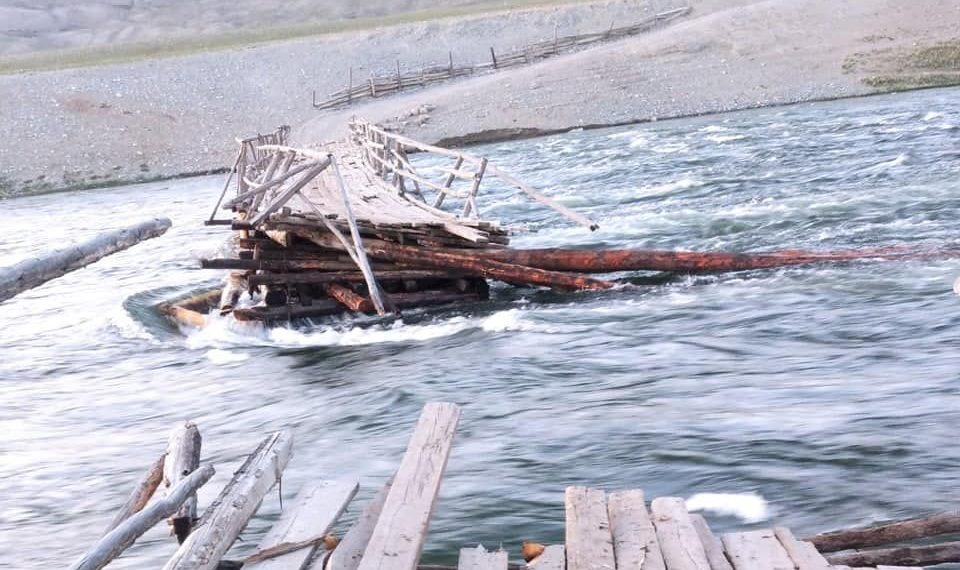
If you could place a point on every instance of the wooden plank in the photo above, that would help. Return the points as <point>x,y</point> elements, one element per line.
<point>899,568</point>
<point>347,554</point>
<point>183,458</point>
<point>316,509</point>
<point>804,554</point>
<point>401,530</point>
<point>554,557</point>
<point>230,512</point>
<point>679,542</point>
<point>711,544</point>
<point>479,559</point>
<point>589,542</point>
<point>142,491</point>
<point>756,550</point>
<point>289,193</point>
<point>635,545</point>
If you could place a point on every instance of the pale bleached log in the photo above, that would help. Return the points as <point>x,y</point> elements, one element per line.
<point>804,554</point>
<point>237,503</point>
<point>183,458</point>
<point>315,510</point>
<point>635,543</point>
<point>401,530</point>
<point>897,531</point>
<point>679,542</point>
<point>711,544</point>
<point>756,550</point>
<point>120,538</point>
<point>34,272</point>
<point>588,540</point>
<point>289,193</point>
<point>347,554</point>
<point>478,558</point>
<point>554,557</point>
<point>141,493</point>
<point>931,555</point>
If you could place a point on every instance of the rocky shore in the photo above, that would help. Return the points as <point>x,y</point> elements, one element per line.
<point>156,118</point>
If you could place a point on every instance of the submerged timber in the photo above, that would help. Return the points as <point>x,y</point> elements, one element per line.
<point>604,530</point>
<point>355,226</point>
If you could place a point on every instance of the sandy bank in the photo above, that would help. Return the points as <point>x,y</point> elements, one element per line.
<point>727,56</point>
<point>165,117</point>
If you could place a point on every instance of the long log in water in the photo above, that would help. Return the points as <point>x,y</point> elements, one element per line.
<point>34,272</point>
<point>931,555</point>
<point>612,260</point>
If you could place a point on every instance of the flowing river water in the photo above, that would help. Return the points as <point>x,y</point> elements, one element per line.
<point>813,397</point>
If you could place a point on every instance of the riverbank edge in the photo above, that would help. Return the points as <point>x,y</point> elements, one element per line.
<point>490,136</point>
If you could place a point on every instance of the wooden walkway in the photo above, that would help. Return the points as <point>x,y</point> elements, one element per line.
<point>605,530</point>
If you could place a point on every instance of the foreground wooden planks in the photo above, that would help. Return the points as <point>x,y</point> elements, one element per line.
<point>316,508</point>
<point>711,544</point>
<point>401,530</point>
<point>679,541</point>
<point>588,540</point>
<point>634,538</point>
<point>554,557</point>
<point>804,554</point>
<point>348,553</point>
<point>756,550</point>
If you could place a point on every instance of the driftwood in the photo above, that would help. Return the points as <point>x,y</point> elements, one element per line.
<point>239,500</point>
<point>909,529</point>
<point>903,556</point>
<point>118,539</point>
<point>183,458</point>
<point>141,493</point>
<point>33,273</point>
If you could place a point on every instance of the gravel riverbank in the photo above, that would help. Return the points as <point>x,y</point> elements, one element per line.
<point>165,117</point>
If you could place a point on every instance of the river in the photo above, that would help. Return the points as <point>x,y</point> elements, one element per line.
<point>813,397</point>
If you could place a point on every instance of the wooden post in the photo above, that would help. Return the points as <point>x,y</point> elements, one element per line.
<point>373,89</point>
<point>183,458</point>
<point>237,503</point>
<point>493,56</point>
<point>350,85</point>
<point>450,53</point>
<point>120,538</point>
<point>471,205</point>
<point>448,182</point>
<point>35,272</point>
<point>141,493</point>
<point>399,82</point>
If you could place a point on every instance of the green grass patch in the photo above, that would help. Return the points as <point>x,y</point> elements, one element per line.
<point>938,57</point>
<point>124,53</point>
<point>912,81</point>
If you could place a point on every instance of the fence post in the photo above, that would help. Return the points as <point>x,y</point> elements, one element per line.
<point>451,63</point>
<point>399,82</point>
<point>350,86</point>
<point>493,56</point>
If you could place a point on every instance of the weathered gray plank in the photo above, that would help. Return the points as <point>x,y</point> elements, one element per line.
<point>804,554</point>
<point>635,543</point>
<point>230,512</point>
<point>679,542</point>
<point>899,568</point>
<point>348,553</point>
<point>401,530</point>
<point>144,489</point>
<point>315,510</point>
<point>589,542</point>
<point>756,550</point>
<point>479,559</point>
<point>554,557</point>
<point>711,544</point>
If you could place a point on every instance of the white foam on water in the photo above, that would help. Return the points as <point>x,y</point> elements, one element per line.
<point>220,356</point>
<point>901,158</point>
<point>669,187</point>
<point>714,129</point>
<point>671,148</point>
<point>724,138</point>
<point>748,507</point>
<point>932,115</point>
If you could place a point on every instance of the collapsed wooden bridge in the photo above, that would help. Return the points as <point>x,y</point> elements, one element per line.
<point>604,530</point>
<point>356,226</point>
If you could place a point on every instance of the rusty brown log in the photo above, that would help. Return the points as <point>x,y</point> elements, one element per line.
<point>942,553</point>
<point>454,259</point>
<point>352,276</point>
<point>282,265</point>
<point>612,260</point>
<point>348,298</point>
<point>908,529</point>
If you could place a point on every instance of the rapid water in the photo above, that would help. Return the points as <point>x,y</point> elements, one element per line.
<point>812,397</point>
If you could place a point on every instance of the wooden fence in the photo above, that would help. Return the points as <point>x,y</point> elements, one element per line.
<point>385,84</point>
